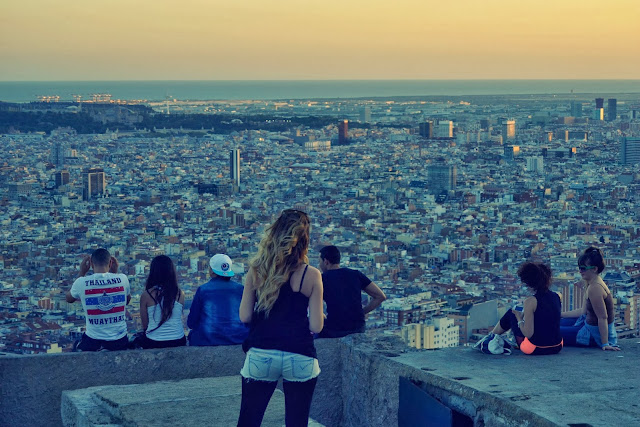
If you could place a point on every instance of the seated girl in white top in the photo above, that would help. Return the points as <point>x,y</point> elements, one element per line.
<point>161,306</point>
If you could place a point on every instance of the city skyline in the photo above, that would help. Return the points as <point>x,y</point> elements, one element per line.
<point>329,41</point>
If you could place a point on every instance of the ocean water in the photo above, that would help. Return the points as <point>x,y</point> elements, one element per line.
<point>305,89</point>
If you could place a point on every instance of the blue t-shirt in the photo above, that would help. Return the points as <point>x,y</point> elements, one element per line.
<point>214,318</point>
<point>343,294</point>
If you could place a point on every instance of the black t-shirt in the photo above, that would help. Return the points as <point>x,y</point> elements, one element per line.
<point>342,293</point>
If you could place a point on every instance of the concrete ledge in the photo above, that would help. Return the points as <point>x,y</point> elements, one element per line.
<point>579,386</point>
<point>34,384</point>
<point>196,402</point>
<point>359,383</point>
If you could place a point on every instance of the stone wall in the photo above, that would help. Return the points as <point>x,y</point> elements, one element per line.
<point>31,386</point>
<point>359,383</point>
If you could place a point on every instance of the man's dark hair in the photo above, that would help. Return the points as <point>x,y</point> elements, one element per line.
<point>101,257</point>
<point>331,254</point>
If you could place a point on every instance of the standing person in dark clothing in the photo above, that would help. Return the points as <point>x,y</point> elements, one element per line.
<point>537,327</point>
<point>213,318</point>
<point>279,290</point>
<point>343,294</point>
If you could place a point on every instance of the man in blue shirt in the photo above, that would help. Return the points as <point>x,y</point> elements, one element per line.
<point>214,318</point>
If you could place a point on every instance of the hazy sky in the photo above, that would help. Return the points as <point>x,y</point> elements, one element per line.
<point>318,39</point>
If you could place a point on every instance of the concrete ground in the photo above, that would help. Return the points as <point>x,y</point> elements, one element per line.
<point>193,402</point>
<point>577,387</point>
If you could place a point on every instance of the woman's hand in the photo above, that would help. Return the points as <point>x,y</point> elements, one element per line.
<point>519,315</point>
<point>610,348</point>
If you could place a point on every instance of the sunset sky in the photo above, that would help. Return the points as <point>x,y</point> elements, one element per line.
<point>313,39</point>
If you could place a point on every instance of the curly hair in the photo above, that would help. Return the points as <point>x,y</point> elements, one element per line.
<point>536,276</point>
<point>282,249</point>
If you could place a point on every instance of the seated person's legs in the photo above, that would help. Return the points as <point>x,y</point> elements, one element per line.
<point>88,344</point>
<point>568,321</point>
<point>508,321</point>
<point>568,331</point>
<point>148,343</point>
<point>119,344</point>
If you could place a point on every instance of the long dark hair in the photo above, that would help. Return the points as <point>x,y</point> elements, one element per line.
<point>162,277</point>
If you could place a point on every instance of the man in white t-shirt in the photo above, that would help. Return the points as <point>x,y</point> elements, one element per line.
<point>104,295</point>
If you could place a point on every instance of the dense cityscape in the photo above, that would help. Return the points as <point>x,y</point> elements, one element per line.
<point>438,200</point>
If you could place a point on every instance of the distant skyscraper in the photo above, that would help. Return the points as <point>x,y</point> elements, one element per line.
<point>365,114</point>
<point>61,178</point>
<point>576,109</point>
<point>485,124</point>
<point>508,131</point>
<point>234,160</point>
<point>426,129</point>
<point>599,103</point>
<point>93,183</point>
<point>343,132</point>
<point>598,114</point>
<point>57,154</point>
<point>612,110</point>
<point>535,164</point>
<point>444,129</point>
<point>511,152</point>
<point>630,151</point>
<point>442,177</point>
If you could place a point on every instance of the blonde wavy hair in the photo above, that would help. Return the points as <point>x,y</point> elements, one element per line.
<point>282,249</point>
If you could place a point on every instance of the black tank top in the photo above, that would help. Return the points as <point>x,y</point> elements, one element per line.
<point>546,323</point>
<point>287,326</point>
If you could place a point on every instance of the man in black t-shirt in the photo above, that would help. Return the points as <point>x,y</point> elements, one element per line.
<point>342,294</point>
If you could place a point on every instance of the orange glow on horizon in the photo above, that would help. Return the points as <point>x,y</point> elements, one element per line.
<point>287,39</point>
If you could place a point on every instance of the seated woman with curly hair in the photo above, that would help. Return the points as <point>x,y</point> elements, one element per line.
<point>537,327</point>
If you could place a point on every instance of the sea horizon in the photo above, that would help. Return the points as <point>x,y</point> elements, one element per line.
<point>234,90</point>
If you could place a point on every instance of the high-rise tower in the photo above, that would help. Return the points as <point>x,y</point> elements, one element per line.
<point>57,154</point>
<point>365,114</point>
<point>508,131</point>
<point>630,151</point>
<point>599,111</point>
<point>442,177</point>
<point>343,132</point>
<point>93,183</point>
<point>576,109</point>
<point>599,102</point>
<point>234,163</point>
<point>426,129</point>
<point>612,110</point>
<point>61,178</point>
<point>444,129</point>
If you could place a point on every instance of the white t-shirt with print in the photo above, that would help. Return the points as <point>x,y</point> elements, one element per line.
<point>104,297</point>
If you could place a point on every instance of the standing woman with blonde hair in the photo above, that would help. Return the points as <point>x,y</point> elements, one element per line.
<point>280,289</point>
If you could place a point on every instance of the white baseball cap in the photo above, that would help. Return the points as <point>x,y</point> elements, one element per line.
<point>221,265</point>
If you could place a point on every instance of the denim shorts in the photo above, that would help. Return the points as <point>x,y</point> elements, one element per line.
<point>271,365</point>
